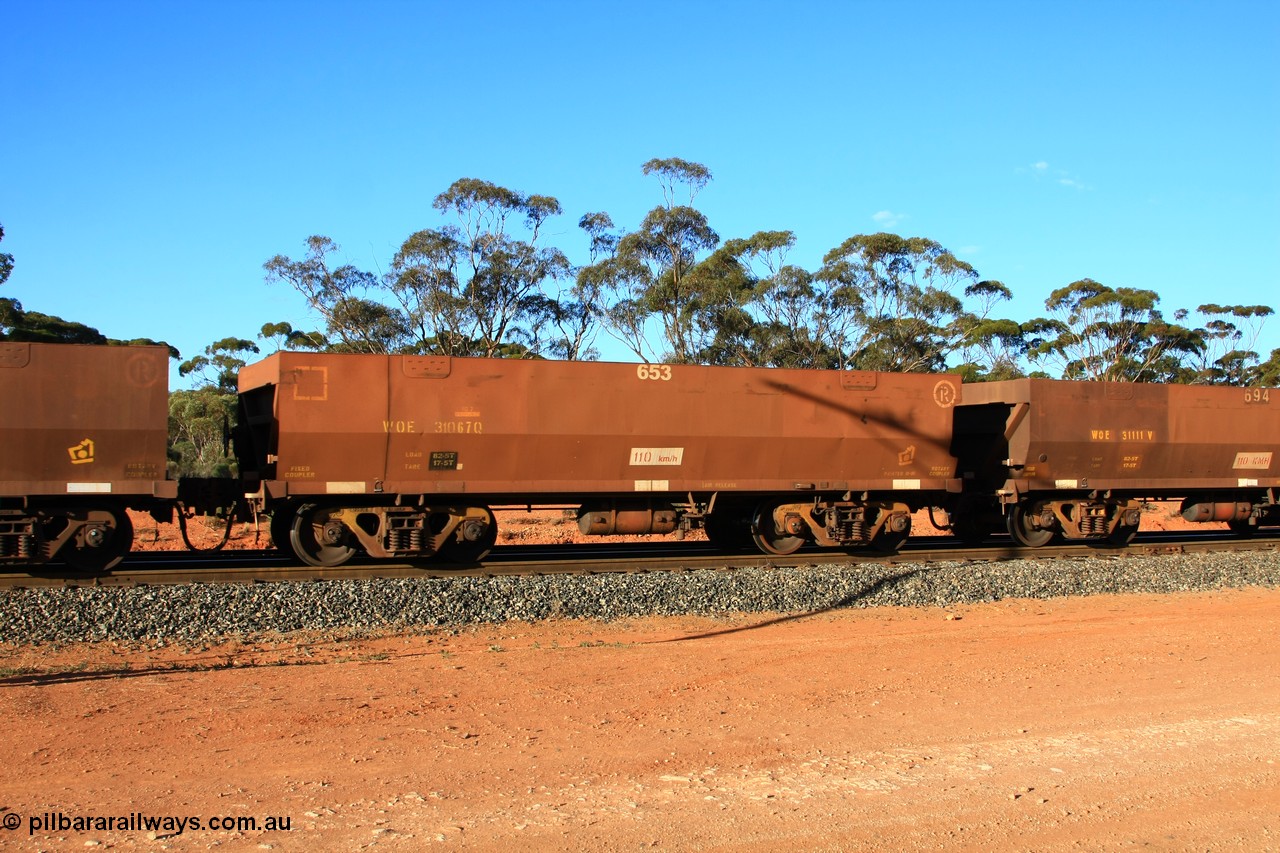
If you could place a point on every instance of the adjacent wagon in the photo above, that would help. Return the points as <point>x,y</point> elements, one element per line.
<point>1077,458</point>
<point>82,438</point>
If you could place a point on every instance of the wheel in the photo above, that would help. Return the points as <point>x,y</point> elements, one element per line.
<point>767,537</point>
<point>1243,529</point>
<point>1018,520</point>
<point>106,539</point>
<point>476,542</point>
<point>890,540</point>
<point>281,523</point>
<point>973,521</point>
<point>319,538</point>
<point>1123,534</point>
<point>728,530</point>
<point>969,530</point>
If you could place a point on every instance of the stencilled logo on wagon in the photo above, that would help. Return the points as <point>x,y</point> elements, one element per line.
<point>82,453</point>
<point>142,371</point>
<point>944,394</point>
<point>310,382</point>
<point>1253,461</point>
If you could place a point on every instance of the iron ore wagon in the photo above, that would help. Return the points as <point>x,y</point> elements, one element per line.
<point>404,456</point>
<point>1044,457</point>
<point>82,439</point>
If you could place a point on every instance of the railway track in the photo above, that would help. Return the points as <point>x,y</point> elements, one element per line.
<point>182,567</point>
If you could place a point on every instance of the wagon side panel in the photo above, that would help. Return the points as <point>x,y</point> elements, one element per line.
<point>83,420</point>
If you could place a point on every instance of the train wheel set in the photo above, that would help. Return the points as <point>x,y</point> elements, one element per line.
<point>330,535</point>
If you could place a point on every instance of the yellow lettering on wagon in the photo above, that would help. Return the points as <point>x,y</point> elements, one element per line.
<point>398,426</point>
<point>1122,435</point>
<point>459,427</point>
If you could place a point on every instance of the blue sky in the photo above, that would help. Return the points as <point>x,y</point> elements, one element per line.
<point>154,155</point>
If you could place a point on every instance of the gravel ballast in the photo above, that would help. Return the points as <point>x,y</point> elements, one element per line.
<point>203,612</point>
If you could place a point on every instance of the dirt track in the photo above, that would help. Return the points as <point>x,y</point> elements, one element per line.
<point>1092,724</point>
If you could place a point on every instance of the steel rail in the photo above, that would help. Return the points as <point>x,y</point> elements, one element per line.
<point>181,567</point>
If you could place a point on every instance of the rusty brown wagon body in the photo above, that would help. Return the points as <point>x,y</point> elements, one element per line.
<point>82,437</point>
<point>1079,457</point>
<point>404,455</point>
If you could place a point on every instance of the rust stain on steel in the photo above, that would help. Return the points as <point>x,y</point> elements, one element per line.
<point>88,420</point>
<point>1104,435</point>
<point>412,425</point>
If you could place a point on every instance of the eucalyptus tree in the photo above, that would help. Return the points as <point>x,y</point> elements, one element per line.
<point>20,324</point>
<point>10,309</point>
<point>6,260</point>
<point>650,272</point>
<point>603,286</point>
<point>478,287</point>
<point>720,328</point>
<point>757,309</point>
<point>1100,333</point>
<point>282,336</point>
<point>354,321</point>
<point>218,367</point>
<point>989,348</point>
<point>199,441</point>
<point>796,326</point>
<point>891,302</point>
<point>199,435</point>
<point>1266,374</point>
<point>1230,336</point>
<point>565,326</point>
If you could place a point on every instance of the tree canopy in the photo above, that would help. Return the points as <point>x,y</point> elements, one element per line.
<point>484,282</point>
<point>486,279</point>
<point>20,324</point>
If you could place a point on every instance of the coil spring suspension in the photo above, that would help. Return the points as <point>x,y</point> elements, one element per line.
<point>849,529</point>
<point>17,541</point>
<point>1094,524</point>
<point>406,538</point>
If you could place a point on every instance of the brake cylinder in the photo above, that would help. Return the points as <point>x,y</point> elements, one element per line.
<point>1217,511</point>
<point>628,518</point>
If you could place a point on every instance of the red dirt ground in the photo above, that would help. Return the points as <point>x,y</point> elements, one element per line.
<point>1102,723</point>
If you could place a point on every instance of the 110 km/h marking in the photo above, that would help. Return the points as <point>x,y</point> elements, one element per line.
<point>657,455</point>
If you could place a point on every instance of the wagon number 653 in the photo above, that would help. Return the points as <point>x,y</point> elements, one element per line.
<point>657,372</point>
<point>1257,395</point>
